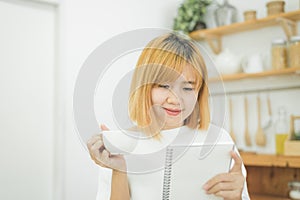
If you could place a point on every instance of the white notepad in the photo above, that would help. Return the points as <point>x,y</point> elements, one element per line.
<point>188,169</point>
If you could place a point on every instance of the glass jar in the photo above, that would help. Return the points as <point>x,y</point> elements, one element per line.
<point>282,129</point>
<point>279,54</point>
<point>249,15</point>
<point>297,129</point>
<point>225,14</point>
<point>275,7</point>
<point>294,51</point>
<point>294,190</point>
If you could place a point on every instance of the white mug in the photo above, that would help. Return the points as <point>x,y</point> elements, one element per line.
<point>120,141</point>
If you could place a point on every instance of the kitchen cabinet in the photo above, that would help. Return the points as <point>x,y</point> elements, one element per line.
<point>268,175</point>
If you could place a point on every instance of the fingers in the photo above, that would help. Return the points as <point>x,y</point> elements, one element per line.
<point>93,140</point>
<point>221,186</point>
<point>228,185</point>
<point>229,195</point>
<point>103,127</point>
<point>218,179</point>
<point>101,156</point>
<point>237,167</point>
<point>112,161</point>
<point>104,156</point>
<point>95,146</point>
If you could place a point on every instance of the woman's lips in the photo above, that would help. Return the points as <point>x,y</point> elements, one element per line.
<point>172,112</point>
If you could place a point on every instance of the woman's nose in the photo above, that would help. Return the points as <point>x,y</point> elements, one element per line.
<point>173,98</point>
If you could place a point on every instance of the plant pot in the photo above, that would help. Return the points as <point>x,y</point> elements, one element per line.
<point>199,25</point>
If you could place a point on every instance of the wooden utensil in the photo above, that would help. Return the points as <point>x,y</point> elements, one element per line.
<point>247,134</point>
<point>260,137</point>
<point>269,106</point>
<point>268,122</point>
<point>231,121</point>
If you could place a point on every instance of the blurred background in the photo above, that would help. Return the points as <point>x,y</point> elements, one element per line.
<point>43,44</point>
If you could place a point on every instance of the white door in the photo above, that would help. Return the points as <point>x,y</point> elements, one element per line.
<point>27,63</point>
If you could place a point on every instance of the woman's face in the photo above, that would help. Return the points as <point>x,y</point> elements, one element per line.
<point>173,102</point>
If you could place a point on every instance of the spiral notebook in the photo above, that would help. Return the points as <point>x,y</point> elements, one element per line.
<point>187,169</point>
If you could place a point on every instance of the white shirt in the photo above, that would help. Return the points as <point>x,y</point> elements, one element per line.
<point>148,185</point>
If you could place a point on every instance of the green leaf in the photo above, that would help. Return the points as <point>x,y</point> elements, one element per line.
<point>189,13</point>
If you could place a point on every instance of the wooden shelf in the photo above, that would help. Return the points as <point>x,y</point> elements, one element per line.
<point>244,26</point>
<point>265,160</point>
<point>232,77</point>
<point>213,36</point>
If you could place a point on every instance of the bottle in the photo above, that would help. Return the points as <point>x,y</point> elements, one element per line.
<point>279,54</point>
<point>281,132</point>
<point>209,18</point>
<point>225,14</point>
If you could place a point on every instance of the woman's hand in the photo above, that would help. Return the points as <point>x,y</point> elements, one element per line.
<point>101,156</point>
<point>228,185</point>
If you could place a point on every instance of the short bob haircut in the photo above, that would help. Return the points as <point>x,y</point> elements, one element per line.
<point>162,60</point>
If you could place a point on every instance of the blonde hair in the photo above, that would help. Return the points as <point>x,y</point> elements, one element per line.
<point>163,60</point>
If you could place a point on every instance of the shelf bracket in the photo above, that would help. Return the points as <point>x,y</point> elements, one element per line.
<point>215,43</point>
<point>289,26</point>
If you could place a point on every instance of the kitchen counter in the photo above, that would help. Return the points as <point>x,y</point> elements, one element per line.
<point>265,197</point>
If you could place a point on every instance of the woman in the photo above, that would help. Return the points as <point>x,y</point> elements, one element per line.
<point>168,91</point>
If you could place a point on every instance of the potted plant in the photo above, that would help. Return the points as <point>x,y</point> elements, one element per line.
<point>190,15</point>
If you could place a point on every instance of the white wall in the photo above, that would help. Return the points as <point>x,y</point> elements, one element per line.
<point>86,24</point>
<point>27,76</point>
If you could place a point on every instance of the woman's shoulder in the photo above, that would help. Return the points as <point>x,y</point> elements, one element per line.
<point>214,134</point>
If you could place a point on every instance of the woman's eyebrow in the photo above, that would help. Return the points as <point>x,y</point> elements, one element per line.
<point>189,82</point>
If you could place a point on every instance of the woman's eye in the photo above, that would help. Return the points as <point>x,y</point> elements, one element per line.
<point>188,88</point>
<point>164,86</point>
